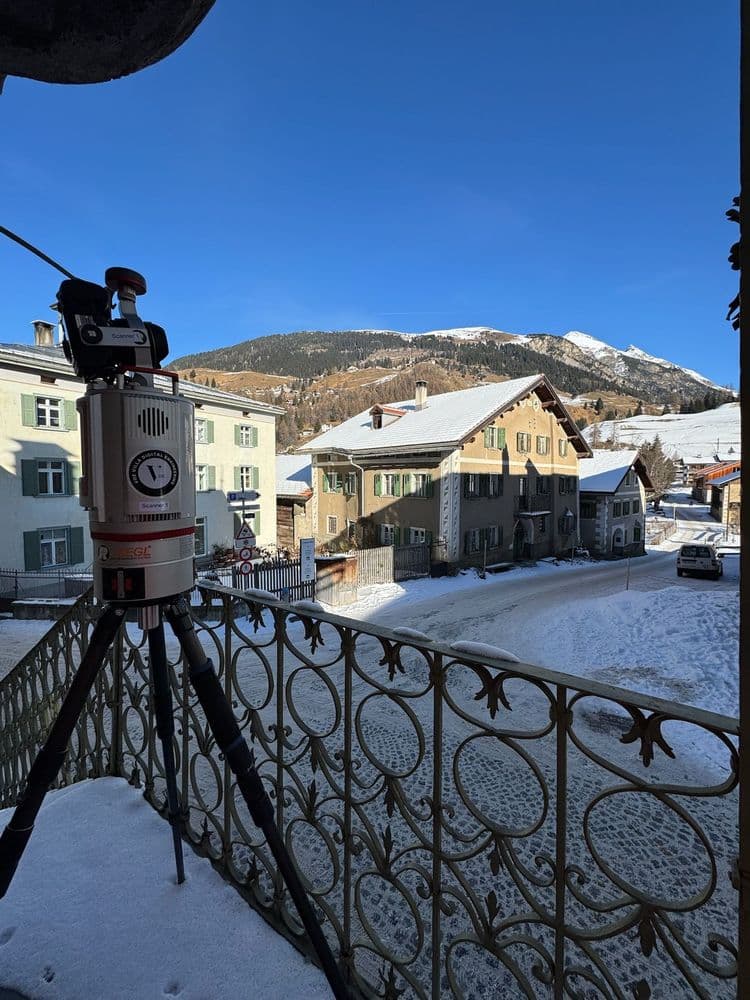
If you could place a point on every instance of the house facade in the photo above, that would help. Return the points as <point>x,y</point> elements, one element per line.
<point>704,478</point>
<point>40,460</point>
<point>293,500</point>
<point>613,503</point>
<point>488,474</point>
<point>726,496</point>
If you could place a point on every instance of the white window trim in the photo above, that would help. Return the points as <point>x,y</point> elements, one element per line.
<point>57,535</point>
<point>332,524</point>
<point>203,520</point>
<point>49,467</point>
<point>48,405</point>
<point>201,430</point>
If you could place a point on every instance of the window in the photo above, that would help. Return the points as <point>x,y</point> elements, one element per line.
<point>588,510</point>
<point>542,484</point>
<point>617,509</point>
<point>626,506</point>
<point>572,484</point>
<point>47,414</point>
<point>201,478</point>
<point>387,534</point>
<point>523,486</point>
<point>495,485</point>
<point>562,447</point>
<point>471,485</point>
<point>51,477</point>
<point>391,484</point>
<point>418,536</point>
<point>636,506</point>
<point>247,478</point>
<point>563,485</point>
<point>246,436</point>
<point>542,444</point>
<point>204,431</point>
<point>350,483</point>
<point>333,482</point>
<point>494,536</point>
<point>494,437</point>
<point>630,478</point>
<point>200,536</point>
<point>53,547</point>
<point>419,484</point>
<point>472,541</point>
<point>541,524</point>
<point>523,442</point>
<point>332,524</point>
<point>637,531</point>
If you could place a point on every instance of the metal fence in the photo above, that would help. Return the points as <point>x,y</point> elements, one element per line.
<point>57,582</point>
<point>279,576</point>
<point>467,827</point>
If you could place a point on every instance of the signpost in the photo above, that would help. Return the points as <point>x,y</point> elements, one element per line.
<point>243,547</point>
<point>307,559</point>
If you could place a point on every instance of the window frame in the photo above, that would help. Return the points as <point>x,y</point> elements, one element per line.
<point>46,404</point>
<point>201,472</point>
<point>246,477</point>
<point>562,447</point>
<point>542,444</point>
<point>587,505</point>
<point>252,435</point>
<point>332,524</point>
<point>201,527</point>
<point>523,442</point>
<point>58,535</point>
<point>201,430</point>
<point>617,508</point>
<point>49,474</point>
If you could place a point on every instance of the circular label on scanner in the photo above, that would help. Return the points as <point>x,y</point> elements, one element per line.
<point>154,472</point>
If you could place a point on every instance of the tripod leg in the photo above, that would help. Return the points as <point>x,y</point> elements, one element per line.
<point>165,729</point>
<point>50,758</point>
<point>224,726</point>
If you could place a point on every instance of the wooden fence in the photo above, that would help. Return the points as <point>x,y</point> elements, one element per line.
<point>391,563</point>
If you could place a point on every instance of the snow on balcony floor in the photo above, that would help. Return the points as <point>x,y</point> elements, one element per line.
<point>94,911</point>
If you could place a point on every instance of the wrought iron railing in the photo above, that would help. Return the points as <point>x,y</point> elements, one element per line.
<point>466,826</point>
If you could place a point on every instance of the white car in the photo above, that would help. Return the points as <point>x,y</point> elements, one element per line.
<point>699,559</point>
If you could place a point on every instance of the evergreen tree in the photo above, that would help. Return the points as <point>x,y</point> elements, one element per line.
<point>660,467</point>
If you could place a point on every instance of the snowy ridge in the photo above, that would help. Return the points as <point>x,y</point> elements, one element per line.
<point>636,352</point>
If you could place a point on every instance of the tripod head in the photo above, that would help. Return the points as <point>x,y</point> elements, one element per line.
<point>138,481</point>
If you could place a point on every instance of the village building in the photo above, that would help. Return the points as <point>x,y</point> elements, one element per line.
<point>40,460</point>
<point>484,475</point>
<point>293,496</point>
<point>726,495</point>
<point>704,478</point>
<point>613,503</point>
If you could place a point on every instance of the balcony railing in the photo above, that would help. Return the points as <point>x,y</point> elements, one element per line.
<point>466,826</point>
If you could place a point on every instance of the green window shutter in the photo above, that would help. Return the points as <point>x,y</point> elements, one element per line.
<point>429,485</point>
<point>212,477</point>
<point>237,478</point>
<point>326,483</point>
<point>254,437</point>
<point>256,522</point>
<point>28,411</point>
<point>397,486</point>
<point>500,437</point>
<point>397,535</point>
<point>70,415</point>
<point>428,537</point>
<point>487,437</point>
<point>209,432</point>
<point>378,484</point>
<point>29,477</point>
<point>482,538</point>
<point>407,484</point>
<point>75,554</point>
<point>31,555</point>
<point>237,435</point>
<point>255,477</point>
<point>72,477</point>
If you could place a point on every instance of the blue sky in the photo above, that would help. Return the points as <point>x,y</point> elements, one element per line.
<point>399,164</point>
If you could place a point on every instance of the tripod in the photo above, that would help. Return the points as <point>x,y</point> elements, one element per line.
<point>222,724</point>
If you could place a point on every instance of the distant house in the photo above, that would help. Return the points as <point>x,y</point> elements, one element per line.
<point>704,478</point>
<point>726,495</point>
<point>488,473</point>
<point>613,488</point>
<point>293,495</point>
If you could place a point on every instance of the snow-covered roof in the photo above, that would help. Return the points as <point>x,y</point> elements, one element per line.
<point>293,475</point>
<point>729,478</point>
<point>444,421</point>
<point>604,472</point>
<point>53,360</point>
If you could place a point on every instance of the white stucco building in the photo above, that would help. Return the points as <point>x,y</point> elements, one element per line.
<point>43,524</point>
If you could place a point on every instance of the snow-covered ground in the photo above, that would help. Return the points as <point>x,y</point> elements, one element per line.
<point>94,913</point>
<point>690,436</point>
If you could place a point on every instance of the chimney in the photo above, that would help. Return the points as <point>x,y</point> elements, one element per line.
<point>44,333</point>
<point>420,395</point>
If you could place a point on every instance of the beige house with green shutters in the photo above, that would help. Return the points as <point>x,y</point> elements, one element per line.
<point>40,460</point>
<point>484,474</point>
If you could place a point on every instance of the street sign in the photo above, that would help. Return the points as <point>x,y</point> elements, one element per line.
<point>307,559</point>
<point>238,495</point>
<point>245,532</point>
<point>246,568</point>
<point>245,554</point>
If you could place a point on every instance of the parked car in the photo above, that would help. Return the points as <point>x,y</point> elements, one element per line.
<point>699,559</point>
